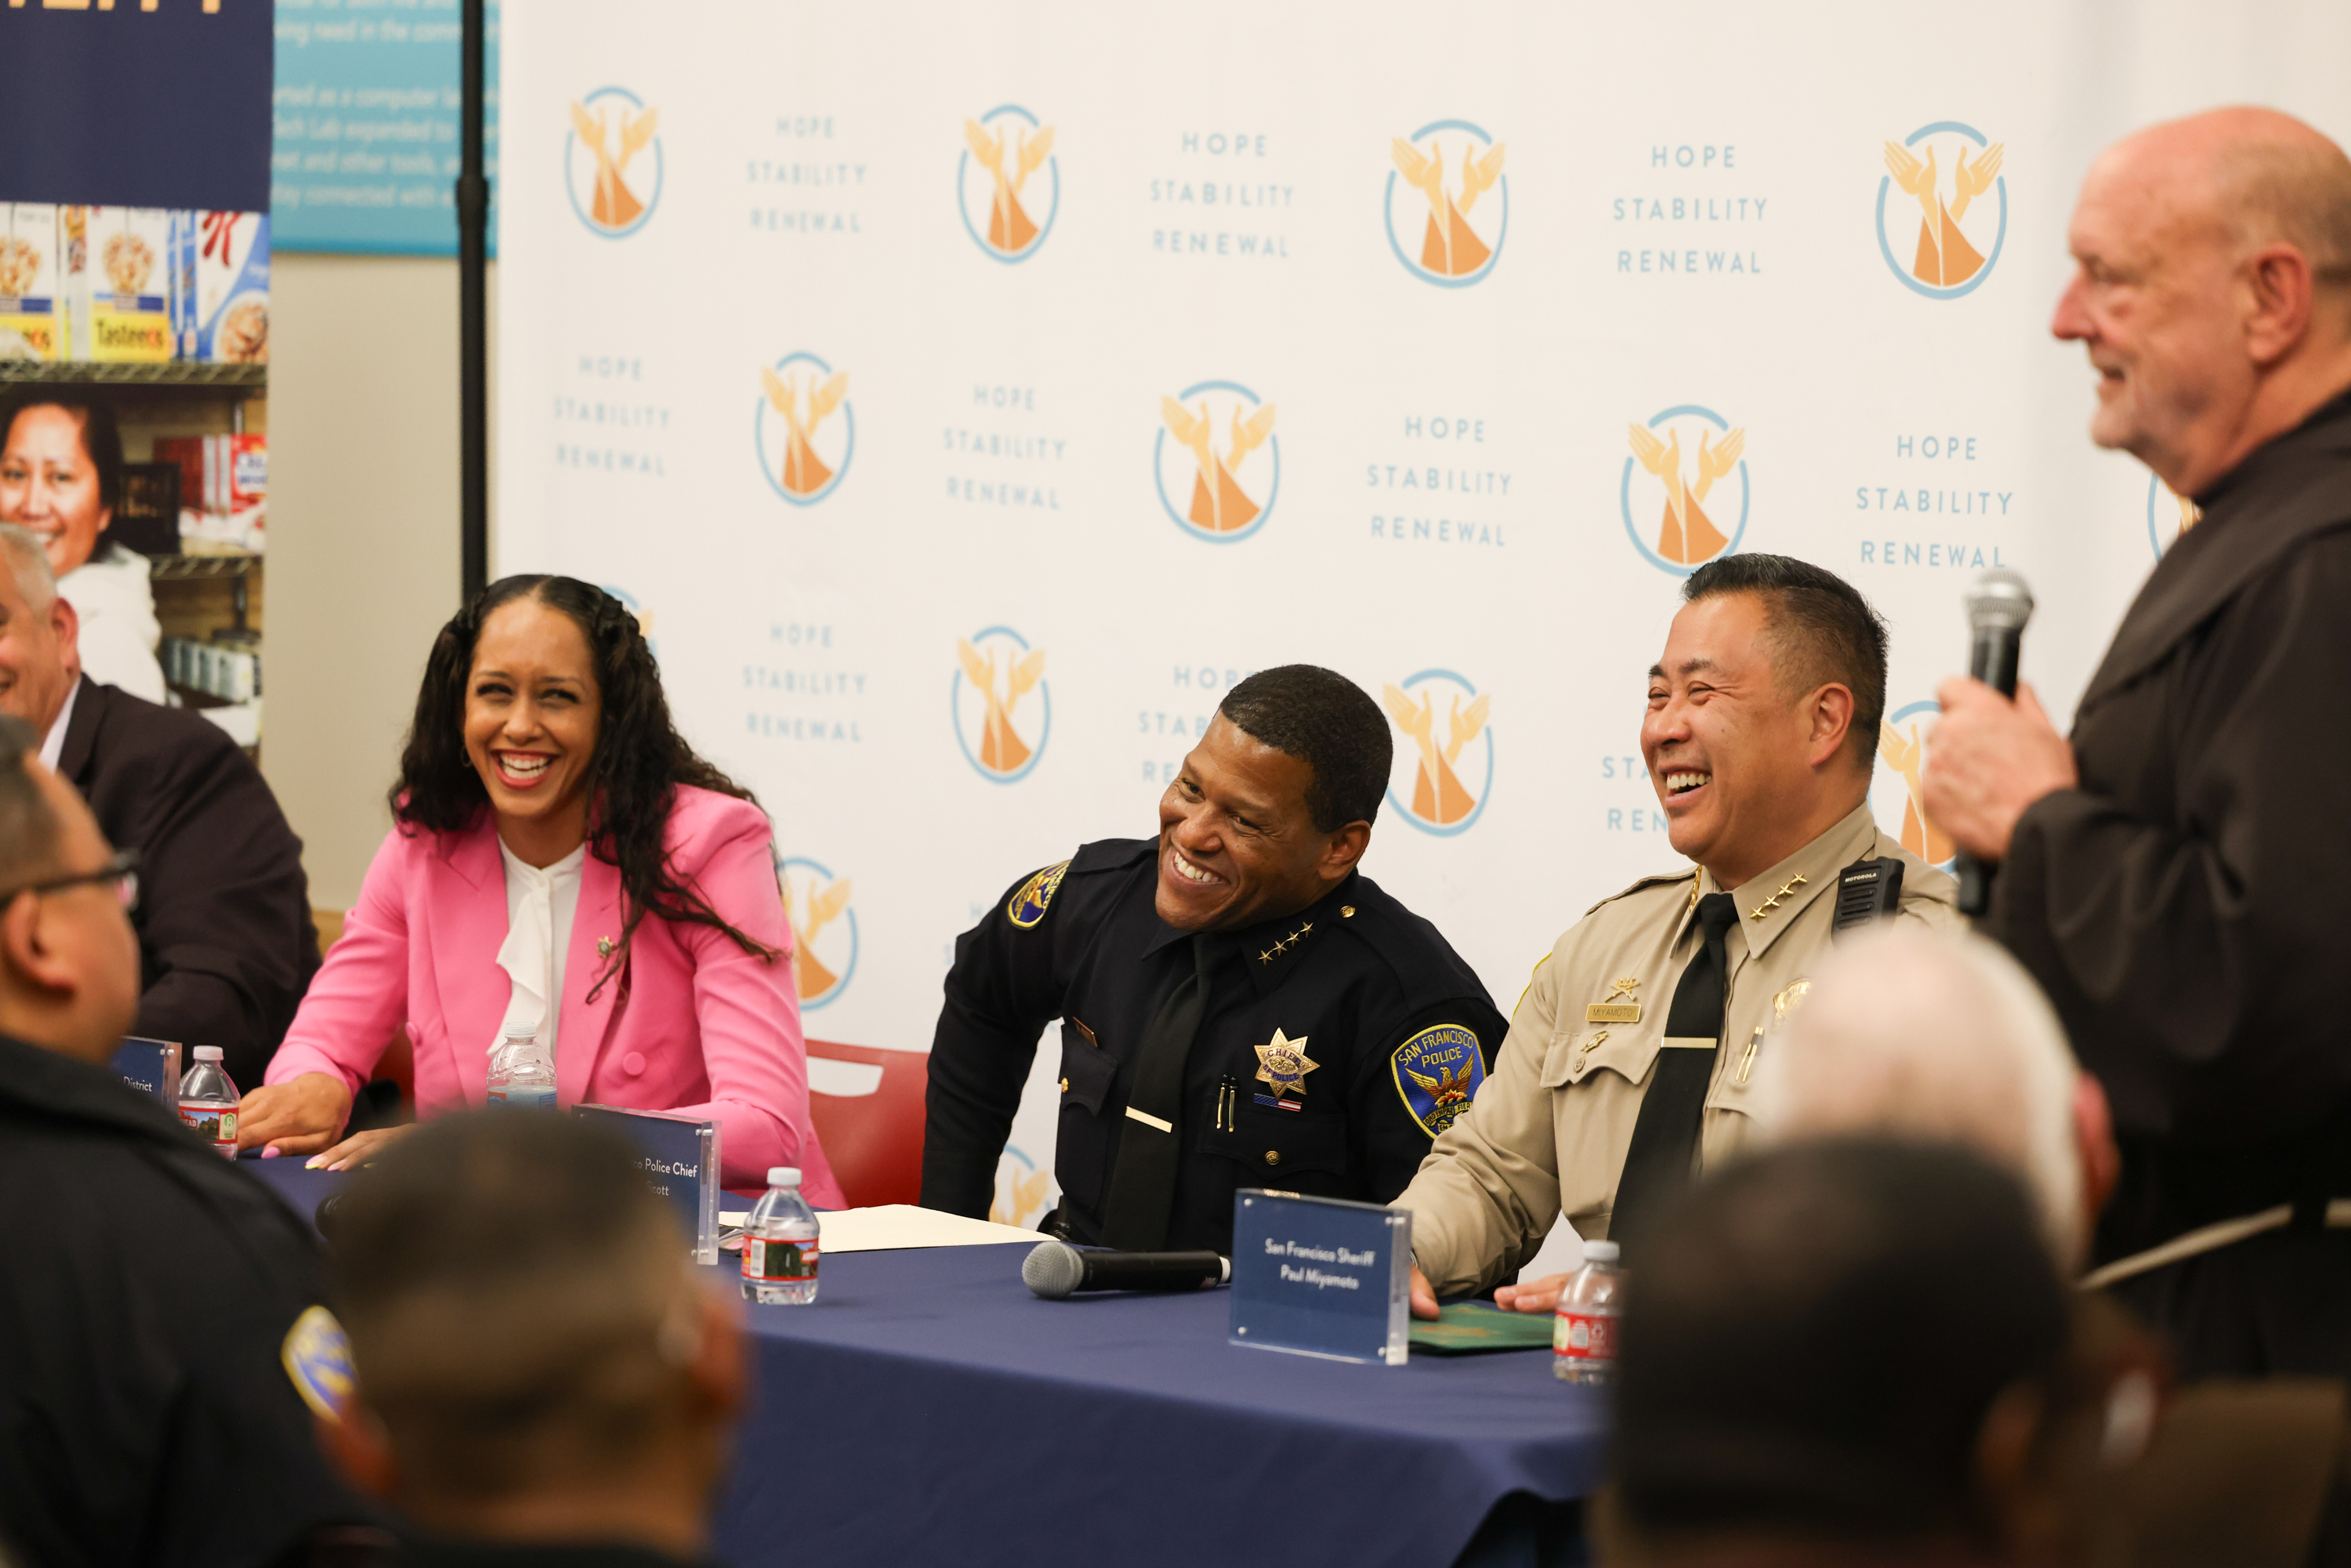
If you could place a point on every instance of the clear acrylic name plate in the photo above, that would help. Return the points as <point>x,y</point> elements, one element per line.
<point>1321,1276</point>
<point>680,1156</point>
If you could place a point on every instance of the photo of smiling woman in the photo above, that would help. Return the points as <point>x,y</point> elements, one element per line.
<point>61,476</point>
<point>561,862</point>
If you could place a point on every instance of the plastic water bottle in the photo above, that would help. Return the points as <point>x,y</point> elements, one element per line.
<point>520,1074</point>
<point>208,1102</point>
<point>779,1244</point>
<point>1584,1335</point>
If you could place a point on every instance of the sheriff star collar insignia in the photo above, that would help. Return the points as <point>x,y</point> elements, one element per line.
<point>1772,903</point>
<point>1284,1065</point>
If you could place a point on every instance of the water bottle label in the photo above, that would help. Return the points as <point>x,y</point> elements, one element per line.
<point>216,1127</point>
<point>523,1097</point>
<point>779,1262</point>
<point>1585,1336</point>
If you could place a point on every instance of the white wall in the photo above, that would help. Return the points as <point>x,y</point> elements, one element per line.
<point>363,560</point>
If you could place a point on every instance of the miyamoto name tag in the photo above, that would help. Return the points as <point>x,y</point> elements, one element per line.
<point>680,1156</point>
<point>1321,1276</point>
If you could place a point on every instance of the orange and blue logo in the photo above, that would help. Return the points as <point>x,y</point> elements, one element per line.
<point>1688,451</point>
<point>1009,182</point>
<point>804,449</point>
<point>613,162</point>
<point>824,930</point>
<point>1902,743</point>
<point>1442,779</point>
<point>1932,167</point>
<point>1431,203</point>
<point>2169,516</point>
<point>1217,427</point>
<point>1023,1193</point>
<point>1002,733</point>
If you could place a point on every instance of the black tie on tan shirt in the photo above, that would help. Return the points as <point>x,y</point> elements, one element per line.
<point>1665,1134</point>
<point>1150,1148</point>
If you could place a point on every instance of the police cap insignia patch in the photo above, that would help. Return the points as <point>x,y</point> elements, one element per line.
<point>1036,896</point>
<point>1437,1072</point>
<point>318,1359</point>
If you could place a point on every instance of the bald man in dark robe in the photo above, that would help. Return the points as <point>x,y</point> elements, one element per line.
<point>2179,876</point>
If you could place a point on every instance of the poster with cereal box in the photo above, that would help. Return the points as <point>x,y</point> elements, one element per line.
<point>28,281</point>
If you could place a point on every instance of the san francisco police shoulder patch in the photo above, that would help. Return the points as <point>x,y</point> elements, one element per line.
<point>1436,1072</point>
<point>1036,896</point>
<point>318,1357</point>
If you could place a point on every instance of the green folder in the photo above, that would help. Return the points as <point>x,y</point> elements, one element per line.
<point>1478,1328</point>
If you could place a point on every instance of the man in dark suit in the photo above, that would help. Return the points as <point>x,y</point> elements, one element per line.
<point>225,944</point>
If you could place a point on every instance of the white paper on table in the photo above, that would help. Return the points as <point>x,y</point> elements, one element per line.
<point>892,1226</point>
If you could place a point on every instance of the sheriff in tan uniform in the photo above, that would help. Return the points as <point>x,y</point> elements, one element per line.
<point>1761,712</point>
<point>1549,1133</point>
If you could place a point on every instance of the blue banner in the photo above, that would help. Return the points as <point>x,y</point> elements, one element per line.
<point>132,106</point>
<point>364,151</point>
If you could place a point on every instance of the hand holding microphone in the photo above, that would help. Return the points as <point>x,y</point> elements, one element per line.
<point>1989,758</point>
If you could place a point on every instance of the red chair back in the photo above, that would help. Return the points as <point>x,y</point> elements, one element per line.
<point>875,1140</point>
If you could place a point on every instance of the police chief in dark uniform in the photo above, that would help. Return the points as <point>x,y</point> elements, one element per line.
<point>1241,1006</point>
<point>2177,876</point>
<point>157,1303</point>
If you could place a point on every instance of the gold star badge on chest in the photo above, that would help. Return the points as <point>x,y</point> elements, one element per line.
<point>1284,1065</point>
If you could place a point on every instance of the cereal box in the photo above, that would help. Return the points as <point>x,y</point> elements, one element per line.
<point>232,287</point>
<point>123,291</point>
<point>28,282</point>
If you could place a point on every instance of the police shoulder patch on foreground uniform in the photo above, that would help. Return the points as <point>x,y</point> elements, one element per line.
<point>1436,1072</point>
<point>1028,906</point>
<point>318,1357</point>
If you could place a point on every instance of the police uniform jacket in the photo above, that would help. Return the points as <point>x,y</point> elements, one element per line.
<point>1549,1134</point>
<point>1396,1025</point>
<point>146,1417</point>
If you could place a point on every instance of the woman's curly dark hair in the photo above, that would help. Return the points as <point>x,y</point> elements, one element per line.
<point>633,776</point>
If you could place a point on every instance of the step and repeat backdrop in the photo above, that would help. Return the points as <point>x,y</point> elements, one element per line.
<point>967,397</point>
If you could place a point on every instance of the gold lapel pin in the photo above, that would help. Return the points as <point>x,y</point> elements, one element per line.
<point>603,947</point>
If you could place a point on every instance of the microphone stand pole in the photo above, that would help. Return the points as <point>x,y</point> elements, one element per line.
<point>473,328</point>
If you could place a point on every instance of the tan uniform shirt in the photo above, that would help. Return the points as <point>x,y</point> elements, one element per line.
<point>1548,1133</point>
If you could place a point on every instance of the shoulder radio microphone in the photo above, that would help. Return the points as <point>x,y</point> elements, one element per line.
<point>1997,607</point>
<point>1055,1270</point>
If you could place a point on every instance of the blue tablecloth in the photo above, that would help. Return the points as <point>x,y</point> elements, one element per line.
<point>928,1410</point>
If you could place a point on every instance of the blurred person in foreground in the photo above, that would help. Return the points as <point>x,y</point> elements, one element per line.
<point>1629,1064</point>
<point>1935,1041</point>
<point>150,1286</point>
<point>558,847</point>
<point>1853,1352</point>
<point>538,1378</point>
<point>1242,1007</point>
<point>2169,877</point>
<point>61,478</point>
<point>225,942</point>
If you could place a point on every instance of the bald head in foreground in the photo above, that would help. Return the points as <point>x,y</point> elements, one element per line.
<point>2169,877</point>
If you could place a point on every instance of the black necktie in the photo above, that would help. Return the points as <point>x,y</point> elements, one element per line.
<point>1150,1148</point>
<point>1665,1134</point>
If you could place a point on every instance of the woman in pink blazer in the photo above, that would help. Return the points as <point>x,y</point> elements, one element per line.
<point>542,757</point>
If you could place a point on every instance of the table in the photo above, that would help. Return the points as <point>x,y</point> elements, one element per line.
<point>928,1410</point>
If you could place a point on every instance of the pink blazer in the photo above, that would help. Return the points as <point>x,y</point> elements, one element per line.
<point>692,1023</point>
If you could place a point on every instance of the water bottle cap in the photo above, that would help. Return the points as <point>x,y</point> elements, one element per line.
<point>208,1053</point>
<point>784,1175</point>
<point>521,1031</point>
<point>1602,1252</point>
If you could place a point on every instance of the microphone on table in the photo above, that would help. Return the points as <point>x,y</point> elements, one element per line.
<point>1055,1270</point>
<point>1997,607</point>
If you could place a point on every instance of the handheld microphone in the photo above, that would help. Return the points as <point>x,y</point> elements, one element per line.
<point>1997,607</point>
<point>1055,1270</point>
